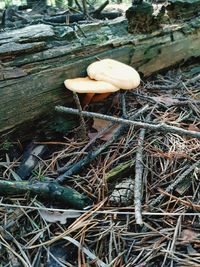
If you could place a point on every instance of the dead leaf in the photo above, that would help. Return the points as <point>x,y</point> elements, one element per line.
<point>188,235</point>
<point>99,125</point>
<point>194,128</point>
<point>56,216</point>
<point>168,101</point>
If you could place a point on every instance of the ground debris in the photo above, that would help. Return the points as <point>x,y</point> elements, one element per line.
<point>103,234</point>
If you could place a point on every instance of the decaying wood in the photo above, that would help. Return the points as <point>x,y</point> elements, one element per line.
<point>35,60</point>
<point>65,195</point>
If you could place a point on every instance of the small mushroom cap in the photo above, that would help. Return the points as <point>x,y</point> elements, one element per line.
<point>114,72</point>
<point>86,85</point>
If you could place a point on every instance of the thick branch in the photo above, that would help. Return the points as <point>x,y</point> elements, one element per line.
<point>49,190</point>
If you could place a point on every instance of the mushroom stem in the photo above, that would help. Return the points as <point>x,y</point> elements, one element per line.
<point>100,97</point>
<point>87,99</point>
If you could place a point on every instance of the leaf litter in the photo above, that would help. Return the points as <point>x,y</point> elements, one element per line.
<point>35,230</point>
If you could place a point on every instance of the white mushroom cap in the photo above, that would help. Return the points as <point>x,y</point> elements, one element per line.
<point>86,85</point>
<point>114,72</point>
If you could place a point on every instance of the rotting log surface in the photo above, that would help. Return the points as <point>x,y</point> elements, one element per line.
<point>35,60</point>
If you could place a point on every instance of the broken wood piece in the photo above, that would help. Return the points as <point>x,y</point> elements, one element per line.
<point>57,216</point>
<point>30,160</point>
<point>49,190</point>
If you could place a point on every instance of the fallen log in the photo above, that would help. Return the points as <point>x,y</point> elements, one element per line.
<point>35,61</point>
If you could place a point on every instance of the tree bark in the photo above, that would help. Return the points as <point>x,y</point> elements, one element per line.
<point>35,61</point>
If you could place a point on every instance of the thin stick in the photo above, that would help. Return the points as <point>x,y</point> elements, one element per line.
<point>81,118</point>
<point>138,176</point>
<point>177,181</point>
<point>174,85</point>
<point>182,201</point>
<point>158,127</point>
<point>110,211</point>
<point>138,179</point>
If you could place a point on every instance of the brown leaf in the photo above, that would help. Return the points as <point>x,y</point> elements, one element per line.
<point>99,125</point>
<point>168,101</point>
<point>188,235</point>
<point>194,128</point>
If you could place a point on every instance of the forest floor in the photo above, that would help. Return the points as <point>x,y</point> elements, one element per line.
<point>144,186</point>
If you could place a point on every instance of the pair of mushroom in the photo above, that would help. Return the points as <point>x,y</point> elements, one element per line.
<point>104,77</point>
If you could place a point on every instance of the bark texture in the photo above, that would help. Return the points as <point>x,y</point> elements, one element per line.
<point>35,60</point>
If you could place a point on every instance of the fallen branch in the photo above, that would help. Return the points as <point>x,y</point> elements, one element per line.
<point>49,190</point>
<point>83,130</point>
<point>74,168</point>
<point>163,127</point>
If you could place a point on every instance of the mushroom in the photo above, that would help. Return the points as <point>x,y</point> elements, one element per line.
<point>114,72</point>
<point>90,88</point>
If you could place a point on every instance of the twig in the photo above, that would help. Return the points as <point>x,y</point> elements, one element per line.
<point>138,177</point>
<point>177,181</point>
<point>174,239</point>
<point>184,202</point>
<point>174,85</point>
<point>179,101</point>
<point>99,134</point>
<point>105,211</point>
<point>148,98</point>
<point>92,155</point>
<point>158,127</point>
<point>123,103</point>
<point>82,121</point>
